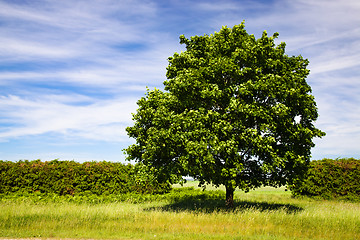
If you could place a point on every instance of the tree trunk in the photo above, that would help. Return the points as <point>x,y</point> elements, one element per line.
<point>229,197</point>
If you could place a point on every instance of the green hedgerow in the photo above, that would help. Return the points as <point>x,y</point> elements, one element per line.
<point>73,178</point>
<point>329,179</point>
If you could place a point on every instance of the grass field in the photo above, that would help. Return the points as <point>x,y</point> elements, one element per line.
<point>266,213</point>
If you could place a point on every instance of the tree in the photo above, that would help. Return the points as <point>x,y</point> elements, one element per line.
<point>236,111</point>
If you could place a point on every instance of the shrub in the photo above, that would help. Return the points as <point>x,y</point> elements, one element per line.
<point>70,178</point>
<point>329,178</point>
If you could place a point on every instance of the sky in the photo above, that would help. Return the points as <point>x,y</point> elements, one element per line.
<point>72,71</point>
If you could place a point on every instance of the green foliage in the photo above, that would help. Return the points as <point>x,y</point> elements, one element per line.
<point>145,180</point>
<point>72,178</point>
<point>329,178</point>
<point>236,111</point>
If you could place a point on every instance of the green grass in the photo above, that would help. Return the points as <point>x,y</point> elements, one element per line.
<point>266,213</point>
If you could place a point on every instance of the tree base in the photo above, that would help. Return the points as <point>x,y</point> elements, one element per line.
<point>229,197</point>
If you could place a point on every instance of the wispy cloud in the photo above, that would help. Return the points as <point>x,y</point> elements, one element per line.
<point>92,41</point>
<point>75,69</point>
<point>67,115</point>
<point>71,29</point>
<point>77,44</point>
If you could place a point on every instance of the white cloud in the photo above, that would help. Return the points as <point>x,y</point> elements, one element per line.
<point>87,40</point>
<point>121,74</point>
<point>338,100</point>
<point>77,16</point>
<point>334,63</point>
<point>90,41</point>
<point>60,50</point>
<point>59,29</point>
<point>101,120</point>
<point>14,47</point>
<point>220,6</point>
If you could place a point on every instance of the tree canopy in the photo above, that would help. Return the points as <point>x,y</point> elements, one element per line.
<point>235,111</point>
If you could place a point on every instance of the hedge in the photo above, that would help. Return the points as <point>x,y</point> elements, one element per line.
<point>70,178</point>
<point>330,179</point>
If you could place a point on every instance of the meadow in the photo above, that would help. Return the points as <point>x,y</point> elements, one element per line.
<point>184,213</point>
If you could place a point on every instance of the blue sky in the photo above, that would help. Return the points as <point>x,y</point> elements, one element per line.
<point>72,71</point>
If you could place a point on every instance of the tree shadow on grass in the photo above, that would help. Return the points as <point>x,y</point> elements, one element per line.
<point>199,204</point>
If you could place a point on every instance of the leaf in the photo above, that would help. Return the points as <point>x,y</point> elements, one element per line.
<point>230,100</point>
